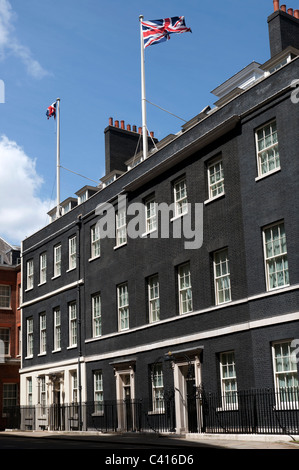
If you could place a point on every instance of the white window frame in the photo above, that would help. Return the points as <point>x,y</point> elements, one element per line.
<point>5,339</point>
<point>29,324</point>
<point>95,241</point>
<point>42,333</point>
<point>57,260</point>
<point>74,387</point>
<point>185,289</point>
<point>96,315</point>
<point>98,393</point>
<point>151,222</point>
<point>5,297</point>
<point>42,395</point>
<point>121,227</point>
<point>43,268</point>
<point>222,276</point>
<point>273,260</point>
<point>29,391</point>
<point>154,298</point>
<point>229,391</point>
<point>157,383</point>
<point>216,178</point>
<point>73,336</point>
<point>30,274</point>
<point>285,394</point>
<point>72,252</point>
<point>180,197</point>
<point>123,306</point>
<point>57,329</point>
<point>265,149</point>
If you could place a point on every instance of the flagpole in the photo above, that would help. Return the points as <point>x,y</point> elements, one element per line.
<point>58,156</point>
<point>143,98</point>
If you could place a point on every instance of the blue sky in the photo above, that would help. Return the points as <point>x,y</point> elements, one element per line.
<point>87,53</point>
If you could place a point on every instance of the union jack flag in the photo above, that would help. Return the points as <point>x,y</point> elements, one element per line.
<point>156,31</point>
<point>51,111</point>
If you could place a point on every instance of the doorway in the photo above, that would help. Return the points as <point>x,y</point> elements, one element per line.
<point>125,394</point>
<point>187,403</point>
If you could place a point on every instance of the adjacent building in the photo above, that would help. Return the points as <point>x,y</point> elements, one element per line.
<point>10,330</point>
<point>169,295</point>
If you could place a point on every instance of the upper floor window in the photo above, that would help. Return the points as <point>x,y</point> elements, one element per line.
<point>222,277</point>
<point>43,268</point>
<point>5,292</point>
<point>154,299</point>
<point>228,379</point>
<point>4,343</point>
<point>215,178</point>
<point>123,307</point>
<point>121,227</point>
<point>57,260</point>
<point>180,198</point>
<point>150,215</point>
<point>95,241</point>
<point>275,252</point>
<point>73,324</point>
<point>30,273</point>
<point>29,337</point>
<point>96,315</point>
<point>57,329</point>
<point>72,252</point>
<point>185,289</point>
<point>267,149</point>
<point>43,333</point>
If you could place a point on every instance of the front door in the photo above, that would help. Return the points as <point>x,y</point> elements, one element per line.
<point>187,404</point>
<point>128,411</point>
<point>125,394</point>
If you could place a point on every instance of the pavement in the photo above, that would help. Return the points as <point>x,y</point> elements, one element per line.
<point>224,441</point>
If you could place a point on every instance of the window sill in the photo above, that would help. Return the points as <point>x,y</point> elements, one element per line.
<point>42,354</point>
<point>274,289</point>
<point>95,257</point>
<point>98,413</point>
<point>56,350</point>
<point>176,217</point>
<point>41,283</point>
<point>72,347</point>
<point>150,233</point>
<point>55,277</point>
<point>71,269</point>
<point>261,177</point>
<point>29,357</point>
<point>151,413</point>
<point>215,198</point>
<point>29,288</point>
<point>119,246</point>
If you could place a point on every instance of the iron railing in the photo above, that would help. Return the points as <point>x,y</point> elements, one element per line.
<point>250,411</point>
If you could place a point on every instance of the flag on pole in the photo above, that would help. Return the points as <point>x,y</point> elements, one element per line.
<point>51,111</point>
<point>156,31</point>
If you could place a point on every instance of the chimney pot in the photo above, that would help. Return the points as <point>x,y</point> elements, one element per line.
<point>140,130</point>
<point>128,127</point>
<point>134,129</point>
<point>276,5</point>
<point>116,123</point>
<point>152,134</point>
<point>111,121</point>
<point>122,124</point>
<point>296,14</point>
<point>290,11</point>
<point>283,8</point>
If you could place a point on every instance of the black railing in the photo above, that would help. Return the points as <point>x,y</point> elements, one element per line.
<point>250,412</point>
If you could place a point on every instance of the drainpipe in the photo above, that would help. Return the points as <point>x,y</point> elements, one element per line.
<point>79,225</point>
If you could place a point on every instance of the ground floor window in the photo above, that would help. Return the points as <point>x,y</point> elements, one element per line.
<point>285,373</point>
<point>228,379</point>
<point>10,396</point>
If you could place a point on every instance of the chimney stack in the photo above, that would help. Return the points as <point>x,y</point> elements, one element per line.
<point>296,14</point>
<point>276,5</point>
<point>283,8</point>
<point>290,11</point>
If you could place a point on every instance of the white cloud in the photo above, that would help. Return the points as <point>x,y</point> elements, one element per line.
<point>9,43</point>
<point>22,211</point>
